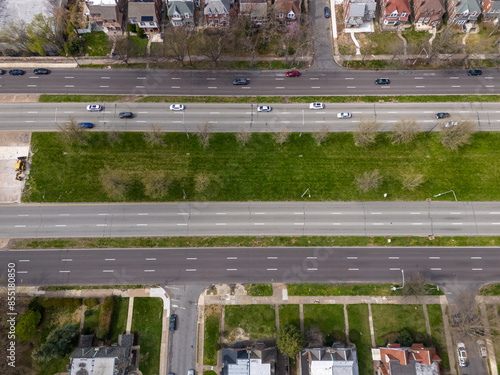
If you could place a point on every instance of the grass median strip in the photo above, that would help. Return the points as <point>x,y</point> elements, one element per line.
<point>211,345</point>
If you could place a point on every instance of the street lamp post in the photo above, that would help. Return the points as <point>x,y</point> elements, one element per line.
<point>401,287</point>
<point>446,192</point>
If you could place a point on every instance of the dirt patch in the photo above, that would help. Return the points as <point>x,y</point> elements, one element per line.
<point>19,98</point>
<point>12,146</point>
<point>226,290</point>
<point>213,310</point>
<point>236,335</point>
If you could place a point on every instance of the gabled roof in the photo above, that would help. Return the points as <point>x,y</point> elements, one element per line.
<point>286,6</point>
<point>249,360</point>
<point>467,6</point>
<point>329,361</point>
<point>434,6</point>
<point>106,12</point>
<point>417,359</point>
<point>181,7</point>
<point>257,8</point>
<point>217,7</point>
<point>397,5</point>
<point>139,9</point>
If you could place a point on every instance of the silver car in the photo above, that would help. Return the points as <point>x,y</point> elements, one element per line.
<point>461,354</point>
<point>264,108</point>
<point>94,108</point>
<point>316,106</point>
<point>344,115</point>
<point>177,107</point>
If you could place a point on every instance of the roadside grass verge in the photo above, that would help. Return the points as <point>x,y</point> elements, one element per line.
<point>289,314</point>
<point>211,344</point>
<point>119,318</point>
<point>146,323</point>
<point>80,287</point>
<point>438,334</point>
<point>339,289</point>
<point>259,290</point>
<point>260,171</point>
<point>492,312</point>
<point>258,321</point>
<point>149,242</point>
<point>390,319</point>
<point>490,290</point>
<point>209,372</point>
<point>359,334</point>
<point>329,319</point>
<point>80,98</point>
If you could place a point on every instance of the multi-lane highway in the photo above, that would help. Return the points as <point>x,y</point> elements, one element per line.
<point>214,265</point>
<point>182,82</point>
<point>252,219</point>
<point>235,117</point>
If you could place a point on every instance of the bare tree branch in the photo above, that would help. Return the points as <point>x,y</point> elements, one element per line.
<point>369,180</point>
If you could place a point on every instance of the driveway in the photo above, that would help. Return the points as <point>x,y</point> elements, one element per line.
<point>322,35</point>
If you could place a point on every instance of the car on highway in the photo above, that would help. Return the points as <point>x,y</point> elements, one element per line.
<point>177,107</point>
<point>442,115</point>
<point>87,125</point>
<point>316,106</point>
<point>16,72</point>
<point>94,108</point>
<point>482,348</point>
<point>293,73</point>
<point>240,81</point>
<point>344,115</point>
<point>264,108</point>
<point>451,123</point>
<point>382,81</point>
<point>461,354</point>
<point>327,12</point>
<point>173,322</point>
<point>41,71</point>
<point>126,115</point>
<point>474,72</point>
<point>2,71</point>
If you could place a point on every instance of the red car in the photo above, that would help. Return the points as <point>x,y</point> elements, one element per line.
<point>293,73</point>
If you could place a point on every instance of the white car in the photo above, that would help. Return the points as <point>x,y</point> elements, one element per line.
<point>451,123</point>
<point>316,106</point>
<point>344,115</point>
<point>177,107</point>
<point>264,108</point>
<point>94,108</point>
<point>461,354</point>
<point>482,348</point>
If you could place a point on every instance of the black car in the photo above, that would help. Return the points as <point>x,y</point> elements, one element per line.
<point>41,71</point>
<point>240,81</point>
<point>16,72</point>
<point>382,81</point>
<point>173,322</point>
<point>126,115</point>
<point>327,12</point>
<point>474,72</point>
<point>2,71</point>
<point>442,115</point>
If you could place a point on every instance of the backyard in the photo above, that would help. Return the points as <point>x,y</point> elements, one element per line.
<point>253,321</point>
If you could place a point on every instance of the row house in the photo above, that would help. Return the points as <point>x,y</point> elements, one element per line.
<point>106,15</point>
<point>427,14</point>
<point>181,12</point>
<point>287,12</point>
<point>358,11</point>
<point>490,10</point>
<point>395,12</point>
<point>397,360</point>
<point>256,10</point>
<point>217,12</point>
<point>146,14</point>
<point>464,13</point>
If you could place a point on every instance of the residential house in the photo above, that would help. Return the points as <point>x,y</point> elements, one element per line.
<point>337,360</point>
<point>146,14</point>
<point>464,13</point>
<point>119,359</point>
<point>427,14</point>
<point>358,11</point>
<point>491,10</point>
<point>255,9</point>
<point>397,360</point>
<point>181,12</point>
<point>395,12</point>
<point>287,12</point>
<point>106,15</point>
<point>242,360</point>
<point>217,12</point>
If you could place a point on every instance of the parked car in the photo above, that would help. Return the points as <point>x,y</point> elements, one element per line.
<point>461,354</point>
<point>474,72</point>
<point>240,81</point>
<point>382,81</point>
<point>94,108</point>
<point>482,348</point>
<point>451,123</point>
<point>87,125</point>
<point>41,71</point>
<point>16,72</point>
<point>344,115</point>
<point>442,115</point>
<point>327,12</point>
<point>293,73</point>
<point>126,115</point>
<point>316,106</point>
<point>264,108</point>
<point>191,372</point>
<point>177,107</point>
<point>173,322</point>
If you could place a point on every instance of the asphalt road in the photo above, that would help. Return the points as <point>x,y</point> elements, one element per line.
<point>224,265</point>
<point>234,117</point>
<point>311,82</point>
<point>251,219</point>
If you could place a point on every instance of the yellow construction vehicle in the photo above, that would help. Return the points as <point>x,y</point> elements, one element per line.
<point>20,165</point>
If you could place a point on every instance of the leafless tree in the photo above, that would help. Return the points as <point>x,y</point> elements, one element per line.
<point>405,131</point>
<point>281,136</point>
<point>123,50</point>
<point>15,36</point>
<point>369,180</point>
<point>366,134</point>
<point>177,43</point>
<point>155,185</point>
<point>154,136</point>
<point>115,183</point>
<point>321,135</point>
<point>204,134</point>
<point>72,132</point>
<point>201,182</point>
<point>465,314</point>
<point>416,285</point>
<point>212,44</point>
<point>411,180</point>
<point>243,136</point>
<point>455,136</point>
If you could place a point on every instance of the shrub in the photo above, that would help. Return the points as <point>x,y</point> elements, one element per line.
<point>405,338</point>
<point>131,27</point>
<point>90,302</point>
<point>26,326</point>
<point>59,343</point>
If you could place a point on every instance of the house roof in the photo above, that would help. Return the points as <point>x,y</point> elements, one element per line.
<point>466,6</point>
<point>415,360</point>
<point>287,6</point>
<point>106,12</point>
<point>139,9</point>
<point>329,361</point>
<point>248,360</point>
<point>216,7</point>
<point>399,6</point>
<point>433,6</point>
<point>257,8</point>
<point>181,7</point>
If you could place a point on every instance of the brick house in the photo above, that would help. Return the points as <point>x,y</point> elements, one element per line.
<point>217,12</point>
<point>397,360</point>
<point>181,12</point>
<point>287,12</point>
<point>395,12</point>
<point>358,11</point>
<point>490,10</point>
<point>255,9</point>
<point>427,14</point>
<point>146,14</point>
<point>107,15</point>
<point>464,13</point>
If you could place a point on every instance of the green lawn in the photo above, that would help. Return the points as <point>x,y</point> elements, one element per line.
<point>258,321</point>
<point>359,334</point>
<point>91,320</point>
<point>138,45</point>
<point>211,344</point>
<point>289,314</point>
<point>388,319</point>
<point>260,171</point>
<point>146,323</point>
<point>96,44</point>
<point>438,334</point>
<point>490,290</point>
<point>259,290</point>
<point>119,319</point>
<point>339,289</point>
<point>329,319</point>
